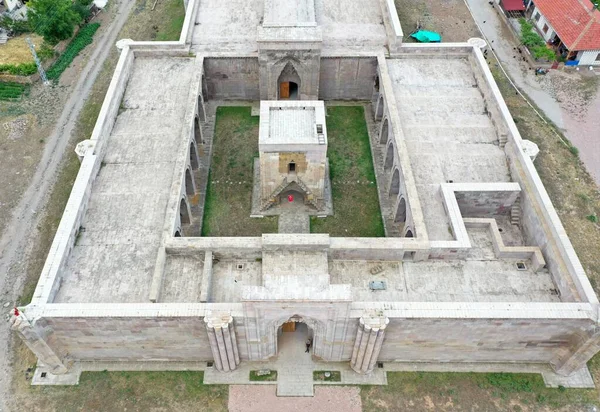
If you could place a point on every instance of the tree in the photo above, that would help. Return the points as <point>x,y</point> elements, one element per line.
<point>14,26</point>
<point>82,7</point>
<point>52,19</point>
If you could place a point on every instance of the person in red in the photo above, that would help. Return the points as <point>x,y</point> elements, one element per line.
<point>290,198</point>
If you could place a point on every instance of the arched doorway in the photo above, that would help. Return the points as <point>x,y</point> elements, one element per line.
<point>401,211</point>
<point>409,233</point>
<point>184,213</point>
<point>198,131</point>
<point>291,340</point>
<point>288,83</point>
<point>379,109</point>
<point>193,156</point>
<point>395,185</point>
<point>385,131</point>
<point>389,157</point>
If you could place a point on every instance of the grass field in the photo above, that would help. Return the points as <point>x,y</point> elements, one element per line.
<point>130,391</point>
<point>355,202</point>
<point>16,50</point>
<point>229,192</point>
<point>421,391</point>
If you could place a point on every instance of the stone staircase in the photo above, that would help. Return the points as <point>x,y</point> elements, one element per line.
<point>502,139</point>
<point>3,37</point>
<point>310,199</point>
<point>283,186</point>
<point>515,212</point>
<point>273,199</point>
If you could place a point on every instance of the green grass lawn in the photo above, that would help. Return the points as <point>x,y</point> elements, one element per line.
<point>229,192</point>
<point>354,191</point>
<point>472,391</point>
<point>271,377</point>
<point>335,376</point>
<point>130,391</point>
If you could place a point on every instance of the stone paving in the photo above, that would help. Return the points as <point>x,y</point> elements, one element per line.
<point>250,398</point>
<point>294,221</point>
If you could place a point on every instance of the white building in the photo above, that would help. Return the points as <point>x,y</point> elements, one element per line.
<point>572,26</point>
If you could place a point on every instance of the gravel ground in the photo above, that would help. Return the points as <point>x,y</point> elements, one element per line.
<point>262,398</point>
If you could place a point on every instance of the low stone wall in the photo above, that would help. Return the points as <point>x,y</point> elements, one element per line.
<point>392,24</point>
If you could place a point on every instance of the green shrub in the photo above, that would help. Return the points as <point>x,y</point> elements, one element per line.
<point>15,26</point>
<point>592,218</point>
<point>23,69</point>
<point>46,52</point>
<point>574,150</point>
<point>534,42</point>
<point>54,20</point>
<point>79,42</point>
<point>12,91</point>
<point>543,53</point>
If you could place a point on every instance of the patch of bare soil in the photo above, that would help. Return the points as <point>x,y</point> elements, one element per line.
<point>450,18</point>
<point>574,91</point>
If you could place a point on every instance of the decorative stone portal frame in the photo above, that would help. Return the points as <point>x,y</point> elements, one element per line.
<point>329,322</point>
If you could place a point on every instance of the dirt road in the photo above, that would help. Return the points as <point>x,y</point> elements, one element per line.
<point>16,237</point>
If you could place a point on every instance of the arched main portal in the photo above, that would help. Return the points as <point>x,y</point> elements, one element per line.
<point>288,83</point>
<point>291,340</point>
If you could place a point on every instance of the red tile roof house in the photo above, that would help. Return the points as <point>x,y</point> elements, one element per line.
<point>573,26</point>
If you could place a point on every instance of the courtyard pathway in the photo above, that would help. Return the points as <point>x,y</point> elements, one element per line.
<point>252,398</point>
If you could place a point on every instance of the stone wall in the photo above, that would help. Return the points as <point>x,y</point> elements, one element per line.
<point>481,340</point>
<point>130,338</point>
<point>540,222</point>
<point>232,78</point>
<point>344,78</point>
<point>485,204</point>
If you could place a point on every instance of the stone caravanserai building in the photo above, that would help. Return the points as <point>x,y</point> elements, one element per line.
<point>475,272</point>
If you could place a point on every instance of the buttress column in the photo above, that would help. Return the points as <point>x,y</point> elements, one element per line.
<point>223,342</point>
<point>367,345</point>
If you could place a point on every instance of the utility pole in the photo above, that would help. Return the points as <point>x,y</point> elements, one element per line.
<point>38,63</point>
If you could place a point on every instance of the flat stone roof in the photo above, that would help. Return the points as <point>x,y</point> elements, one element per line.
<point>449,136</point>
<point>286,13</point>
<point>291,122</point>
<point>291,125</point>
<point>231,26</point>
<point>114,255</point>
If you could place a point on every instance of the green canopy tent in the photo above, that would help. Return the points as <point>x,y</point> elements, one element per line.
<point>425,36</point>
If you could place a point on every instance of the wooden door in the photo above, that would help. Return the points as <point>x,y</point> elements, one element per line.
<point>289,327</point>
<point>284,90</point>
